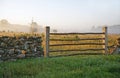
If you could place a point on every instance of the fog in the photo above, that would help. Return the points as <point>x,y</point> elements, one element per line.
<point>8,27</point>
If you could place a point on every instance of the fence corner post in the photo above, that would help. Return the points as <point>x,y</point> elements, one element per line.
<point>105,31</point>
<point>47,32</point>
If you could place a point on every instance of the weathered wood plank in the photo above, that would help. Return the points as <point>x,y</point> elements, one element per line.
<point>77,39</point>
<point>76,50</point>
<point>77,44</point>
<point>47,32</point>
<point>80,54</point>
<point>106,39</point>
<point>76,33</point>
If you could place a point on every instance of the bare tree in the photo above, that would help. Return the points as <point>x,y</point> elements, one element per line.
<point>55,30</point>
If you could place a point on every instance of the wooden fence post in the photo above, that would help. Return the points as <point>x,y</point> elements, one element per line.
<point>47,32</point>
<point>105,40</point>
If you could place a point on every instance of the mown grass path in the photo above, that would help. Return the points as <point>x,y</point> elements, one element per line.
<point>98,66</point>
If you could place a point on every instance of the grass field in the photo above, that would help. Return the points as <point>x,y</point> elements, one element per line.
<point>98,66</point>
<point>84,66</point>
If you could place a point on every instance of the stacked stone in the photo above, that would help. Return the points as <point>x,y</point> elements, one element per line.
<point>118,42</point>
<point>20,47</point>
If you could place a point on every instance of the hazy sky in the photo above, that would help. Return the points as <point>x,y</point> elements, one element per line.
<point>63,14</point>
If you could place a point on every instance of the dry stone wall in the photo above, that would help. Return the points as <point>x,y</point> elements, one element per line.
<point>118,42</point>
<point>12,48</point>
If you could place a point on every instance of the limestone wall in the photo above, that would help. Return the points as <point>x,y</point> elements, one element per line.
<point>118,42</point>
<point>20,47</point>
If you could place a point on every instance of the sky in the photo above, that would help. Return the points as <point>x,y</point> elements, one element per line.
<point>73,15</point>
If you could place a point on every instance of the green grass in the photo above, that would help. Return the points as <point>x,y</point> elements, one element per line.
<point>98,66</point>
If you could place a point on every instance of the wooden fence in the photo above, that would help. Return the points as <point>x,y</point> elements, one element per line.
<point>103,36</point>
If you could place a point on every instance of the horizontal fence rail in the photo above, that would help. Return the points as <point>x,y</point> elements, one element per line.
<point>76,50</point>
<point>76,39</point>
<point>77,44</point>
<point>68,40</point>
<point>81,54</point>
<point>75,33</point>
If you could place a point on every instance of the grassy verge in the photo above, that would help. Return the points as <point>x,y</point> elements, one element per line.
<point>98,66</point>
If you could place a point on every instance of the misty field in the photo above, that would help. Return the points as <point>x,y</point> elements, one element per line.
<point>99,66</point>
<point>80,66</point>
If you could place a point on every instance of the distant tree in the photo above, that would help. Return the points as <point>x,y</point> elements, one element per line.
<point>93,27</point>
<point>3,31</point>
<point>34,27</point>
<point>4,22</point>
<point>55,30</point>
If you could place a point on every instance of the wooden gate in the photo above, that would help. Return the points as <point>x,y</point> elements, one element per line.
<point>75,43</point>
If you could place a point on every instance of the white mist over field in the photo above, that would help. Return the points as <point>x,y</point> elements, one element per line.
<point>63,15</point>
<point>8,27</point>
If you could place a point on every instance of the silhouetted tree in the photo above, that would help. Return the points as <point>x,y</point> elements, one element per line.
<point>55,30</point>
<point>4,22</point>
